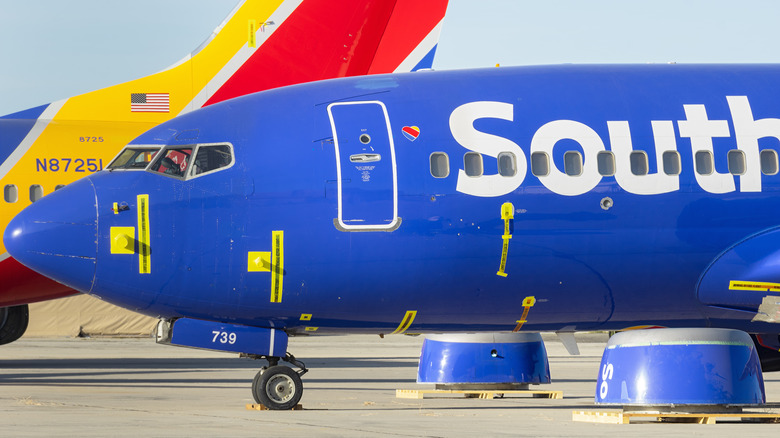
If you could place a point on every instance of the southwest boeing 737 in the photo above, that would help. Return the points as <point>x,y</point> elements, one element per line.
<point>551,198</point>
<point>262,44</point>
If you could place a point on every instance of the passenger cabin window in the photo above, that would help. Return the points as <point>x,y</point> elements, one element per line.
<point>671,162</point>
<point>507,164</point>
<point>769,162</point>
<point>133,157</point>
<point>736,160</point>
<point>440,165</point>
<point>58,186</point>
<point>540,164</point>
<point>10,193</point>
<point>704,164</point>
<point>639,164</point>
<point>472,164</point>
<point>572,163</point>
<point>606,163</point>
<point>36,192</point>
<point>211,158</point>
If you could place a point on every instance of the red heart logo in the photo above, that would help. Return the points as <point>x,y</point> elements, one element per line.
<point>411,132</point>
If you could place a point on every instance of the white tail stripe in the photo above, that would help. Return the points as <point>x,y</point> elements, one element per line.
<point>422,49</point>
<point>40,124</point>
<point>231,67</point>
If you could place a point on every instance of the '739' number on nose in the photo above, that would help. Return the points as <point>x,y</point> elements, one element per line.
<point>223,337</point>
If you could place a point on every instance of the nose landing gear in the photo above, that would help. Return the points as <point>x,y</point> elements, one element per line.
<point>278,387</point>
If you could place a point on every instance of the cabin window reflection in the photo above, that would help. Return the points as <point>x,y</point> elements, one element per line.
<point>211,158</point>
<point>736,160</point>
<point>769,162</point>
<point>36,192</point>
<point>704,164</point>
<point>671,163</point>
<point>540,164</point>
<point>507,164</point>
<point>639,164</point>
<point>10,193</point>
<point>572,163</point>
<point>472,164</point>
<point>606,163</point>
<point>440,165</point>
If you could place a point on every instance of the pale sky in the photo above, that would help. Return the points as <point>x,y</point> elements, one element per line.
<point>52,49</point>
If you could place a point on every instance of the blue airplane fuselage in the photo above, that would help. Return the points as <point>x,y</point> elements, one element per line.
<point>533,198</point>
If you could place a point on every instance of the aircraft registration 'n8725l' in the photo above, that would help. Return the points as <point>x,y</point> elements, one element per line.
<point>533,198</point>
<point>261,45</point>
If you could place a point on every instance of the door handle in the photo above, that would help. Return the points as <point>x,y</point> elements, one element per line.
<point>364,158</point>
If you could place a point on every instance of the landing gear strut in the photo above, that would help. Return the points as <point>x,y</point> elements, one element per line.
<point>278,387</point>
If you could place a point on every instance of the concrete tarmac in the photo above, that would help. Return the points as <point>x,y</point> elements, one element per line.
<point>134,387</point>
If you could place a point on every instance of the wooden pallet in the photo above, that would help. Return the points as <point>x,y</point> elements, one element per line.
<point>475,393</point>
<point>623,417</point>
<point>260,407</point>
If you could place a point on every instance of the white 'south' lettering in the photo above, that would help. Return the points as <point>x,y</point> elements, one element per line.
<point>697,128</point>
<point>462,128</point>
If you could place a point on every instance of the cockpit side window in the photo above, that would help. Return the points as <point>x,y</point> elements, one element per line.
<point>210,158</point>
<point>192,161</point>
<point>134,158</point>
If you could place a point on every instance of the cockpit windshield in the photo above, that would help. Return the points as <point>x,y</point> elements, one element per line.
<point>174,162</point>
<point>179,161</point>
<point>134,158</point>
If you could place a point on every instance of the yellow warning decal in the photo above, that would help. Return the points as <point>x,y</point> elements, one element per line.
<point>144,252</point>
<point>277,266</point>
<point>251,42</point>
<point>502,265</point>
<point>259,261</point>
<point>507,214</point>
<point>305,316</point>
<point>311,329</point>
<point>122,240</point>
<point>406,322</point>
<point>758,286</point>
<point>528,302</point>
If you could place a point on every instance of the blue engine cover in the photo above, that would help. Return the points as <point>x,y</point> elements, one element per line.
<point>680,367</point>
<point>484,358</point>
<point>229,337</point>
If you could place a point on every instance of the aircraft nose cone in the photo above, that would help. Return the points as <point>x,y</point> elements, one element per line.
<point>57,235</point>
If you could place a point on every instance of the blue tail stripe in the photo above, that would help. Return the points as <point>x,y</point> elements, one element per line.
<point>427,61</point>
<point>15,127</point>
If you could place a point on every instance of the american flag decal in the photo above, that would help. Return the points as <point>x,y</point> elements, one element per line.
<point>150,102</point>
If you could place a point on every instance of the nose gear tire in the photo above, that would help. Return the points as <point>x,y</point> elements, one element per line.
<point>277,388</point>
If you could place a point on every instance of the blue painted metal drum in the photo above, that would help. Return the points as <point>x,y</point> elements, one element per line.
<point>489,358</point>
<point>681,367</point>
